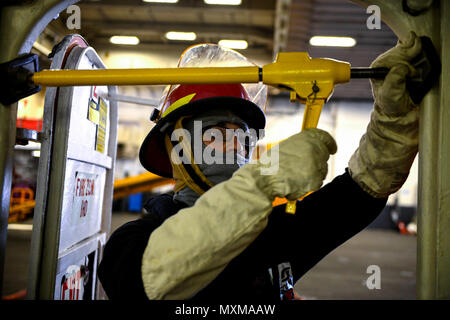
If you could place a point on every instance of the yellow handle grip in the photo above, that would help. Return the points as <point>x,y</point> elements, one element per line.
<point>313,108</point>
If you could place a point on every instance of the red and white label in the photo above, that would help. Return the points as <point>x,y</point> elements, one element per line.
<point>72,287</point>
<point>85,196</point>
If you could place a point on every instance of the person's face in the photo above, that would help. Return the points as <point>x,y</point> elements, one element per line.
<point>223,138</point>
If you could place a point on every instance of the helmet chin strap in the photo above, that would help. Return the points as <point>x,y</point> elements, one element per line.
<point>185,171</point>
<point>198,177</point>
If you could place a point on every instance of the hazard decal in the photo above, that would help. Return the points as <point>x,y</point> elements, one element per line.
<point>98,115</point>
<point>101,127</point>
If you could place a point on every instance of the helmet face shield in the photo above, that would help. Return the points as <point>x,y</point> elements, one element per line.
<point>212,55</point>
<point>245,101</point>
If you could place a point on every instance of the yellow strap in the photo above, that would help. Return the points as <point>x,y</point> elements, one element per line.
<point>187,146</point>
<point>180,172</point>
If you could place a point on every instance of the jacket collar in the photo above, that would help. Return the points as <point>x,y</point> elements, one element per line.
<point>163,206</point>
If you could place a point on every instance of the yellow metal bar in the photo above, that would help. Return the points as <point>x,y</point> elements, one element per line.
<point>310,80</point>
<point>146,76</point>
<point>313,108</point>
<point>294,71</point>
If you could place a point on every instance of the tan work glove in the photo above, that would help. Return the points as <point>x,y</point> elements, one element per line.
<point>192,247</point>
<point>386,152</point>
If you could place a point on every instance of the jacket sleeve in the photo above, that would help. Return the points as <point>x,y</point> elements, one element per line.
<point>323,221</point>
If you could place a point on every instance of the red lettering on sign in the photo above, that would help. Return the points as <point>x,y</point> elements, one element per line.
<point>85,187</point>
<point>84,208</point>
<point>72,286</point>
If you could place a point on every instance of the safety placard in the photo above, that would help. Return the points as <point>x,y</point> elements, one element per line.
<point>76,274</point>
<point>85,197</point>
<point>98,114</point>
<point>93,114</point>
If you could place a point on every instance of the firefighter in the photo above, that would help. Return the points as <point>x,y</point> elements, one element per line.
<point>218,236</point>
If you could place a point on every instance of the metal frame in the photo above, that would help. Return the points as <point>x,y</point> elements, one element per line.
<point>28,20</point>
<point>43,177</point>
<point>49,241</point>
<point>433,242</point>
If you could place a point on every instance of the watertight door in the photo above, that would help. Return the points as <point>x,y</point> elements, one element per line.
<point>75,182</point>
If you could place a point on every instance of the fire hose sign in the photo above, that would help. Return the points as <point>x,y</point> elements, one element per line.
<point>85,197</point>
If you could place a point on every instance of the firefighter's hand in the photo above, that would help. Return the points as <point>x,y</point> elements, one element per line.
<point>297,165</point>
<point>386,152</point>
<point>390,94</point>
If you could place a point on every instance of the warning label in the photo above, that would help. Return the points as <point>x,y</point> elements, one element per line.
<point>85,196</point>
<point>77,282</point>
<point>98,114</point>
<point>93,114</point>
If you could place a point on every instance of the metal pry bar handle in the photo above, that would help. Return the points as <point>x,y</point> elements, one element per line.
<point>428,67</point>
<point>364,73</point>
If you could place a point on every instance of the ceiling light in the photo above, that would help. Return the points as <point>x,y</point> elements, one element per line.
<point>130,40</point>
<point>161,1</point>
<point>224,2</point>
<point>20,226</point>
<point>174,35</point>
<point>234,44</point>
<point>332,41</point>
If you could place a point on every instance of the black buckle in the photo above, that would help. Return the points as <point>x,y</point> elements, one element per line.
<point>15,78</point>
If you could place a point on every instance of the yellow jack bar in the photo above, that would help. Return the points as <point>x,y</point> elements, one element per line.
<point>124,77</point>
<point>311,81</point>
<point>292,71</point>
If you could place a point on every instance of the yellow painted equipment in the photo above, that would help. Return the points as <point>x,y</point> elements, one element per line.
<point>21,204</point>
<point>141,183</point>
<point>146,76</point>
<point>311,81</point>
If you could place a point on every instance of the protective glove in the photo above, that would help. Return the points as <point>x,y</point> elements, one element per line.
<point>387,150</point>
<point>193,246</point>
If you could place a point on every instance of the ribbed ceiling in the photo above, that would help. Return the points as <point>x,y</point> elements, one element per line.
<point>269,26</point>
